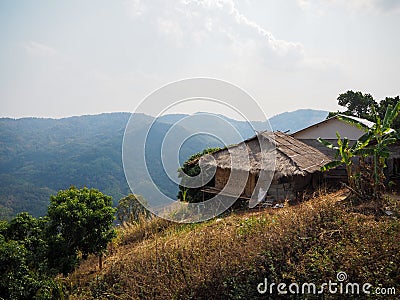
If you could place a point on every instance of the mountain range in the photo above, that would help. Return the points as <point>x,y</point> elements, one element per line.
<point>39,156</point>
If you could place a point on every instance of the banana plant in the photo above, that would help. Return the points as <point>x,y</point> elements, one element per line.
<point>344,156</point>
<point>373,143</point>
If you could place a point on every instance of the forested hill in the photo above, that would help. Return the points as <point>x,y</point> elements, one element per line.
<point>39,156</point>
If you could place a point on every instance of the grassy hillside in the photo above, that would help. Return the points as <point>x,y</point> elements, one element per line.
<point>227,258</point>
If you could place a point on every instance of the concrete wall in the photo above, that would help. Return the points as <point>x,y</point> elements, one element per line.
<point>328,129</point>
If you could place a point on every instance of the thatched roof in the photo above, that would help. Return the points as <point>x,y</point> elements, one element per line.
<point>286,154</point>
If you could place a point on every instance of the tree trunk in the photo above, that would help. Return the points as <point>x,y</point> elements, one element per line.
<point>101,261</point>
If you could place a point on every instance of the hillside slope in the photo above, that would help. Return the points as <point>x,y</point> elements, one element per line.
<point>227,258</point>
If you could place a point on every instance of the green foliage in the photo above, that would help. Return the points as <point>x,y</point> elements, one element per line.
<point>357,104</point>
<point>13,269</point>
<point>383,106</point>
<point>374,143</point>
<point>20,281</point>
<point>23,263</point>
<point>251,225</point>
<point>344,155</point>
<point>30,232</point>
<point>191,168</point>
<point>130,209</point>
<point>3,227</point>
<point>34,250</point>
<point>80,220</point>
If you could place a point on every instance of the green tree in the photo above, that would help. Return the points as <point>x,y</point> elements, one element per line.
<point>383,105</point>
<point>80,220</point>
<point>130,209</point>
<point>23,263</point>
<point>15,279</point>
<point>191,168</point>
<point>357,104</point>
<point>30,232</point>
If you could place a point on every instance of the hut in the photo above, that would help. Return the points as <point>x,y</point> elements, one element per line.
<point>246,169</point>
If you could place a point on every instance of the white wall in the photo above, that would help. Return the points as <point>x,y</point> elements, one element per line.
<point>328,129</point>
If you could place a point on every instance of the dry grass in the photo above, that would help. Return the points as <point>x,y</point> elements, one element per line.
<point>227,257</point>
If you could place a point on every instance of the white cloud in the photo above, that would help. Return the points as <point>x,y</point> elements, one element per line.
<point>135,8</point>
<point>373,5</point>
<point>280,47</point>
<point>320,7</point>
<point>218,23</point>
<point>387,5</point>
<point>171,29</point>
<point>36,48</point>
<point>315,7</point>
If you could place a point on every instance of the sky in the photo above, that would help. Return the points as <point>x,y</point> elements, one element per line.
<point>64,58</point>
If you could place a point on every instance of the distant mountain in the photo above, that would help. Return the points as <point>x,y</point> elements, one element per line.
<point>296,120</point>
<point>229,130</point>
<point>286,122</point>
<point>38,156</point>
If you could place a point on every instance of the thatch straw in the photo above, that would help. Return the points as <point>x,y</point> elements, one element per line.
<point>287,155</point>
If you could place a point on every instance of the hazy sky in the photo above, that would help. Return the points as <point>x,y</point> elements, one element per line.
<point>63,58</point>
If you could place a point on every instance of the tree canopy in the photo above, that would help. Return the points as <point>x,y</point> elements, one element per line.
<point>79,220</point>
<point>357,103</point>
<point>23,260</point>
<point>34,250</point>
<point>361,105</point>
